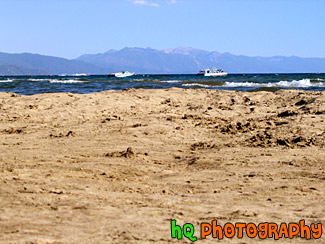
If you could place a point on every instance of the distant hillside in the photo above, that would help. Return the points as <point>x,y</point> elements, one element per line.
<point>18,70</point>
<point>40,64</point>
<point>143,61</point>
<point>152,61</point>
<point>189,60</point>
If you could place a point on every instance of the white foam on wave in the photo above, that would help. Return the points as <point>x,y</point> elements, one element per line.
<point>294,83</point>
<point>58,80</point>
<point>76,74</point>
<point>170,81</point>
<point>7,80</point>
<point>197,84</point>
<point>30,79</point>
<point>147,80</point>
<point>157,80</point>
<point>243,84</point>
<point>66,81</point>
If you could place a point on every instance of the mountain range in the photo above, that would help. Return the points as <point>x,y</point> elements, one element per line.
<point>152,61</point>
<point>35,64</point>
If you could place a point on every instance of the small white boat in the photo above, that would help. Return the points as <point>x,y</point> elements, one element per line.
<point>212,72</point>
<point>122,74</point>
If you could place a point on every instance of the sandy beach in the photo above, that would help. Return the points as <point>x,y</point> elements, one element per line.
<point>118,166</point>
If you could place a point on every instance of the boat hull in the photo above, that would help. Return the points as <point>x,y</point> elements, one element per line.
<point>123,75</point>
<point>216,74</point>
<point>120,74</point>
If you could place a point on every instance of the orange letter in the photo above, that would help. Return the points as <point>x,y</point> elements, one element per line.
<point>283,230</point>
<point>292,232</point>
<point>251,230</point>
<point>216,228</point>
<point>240,227</point>
<point>304,228</point>
<point>205,232</point>
<point>316,230</point>
<point>273,230</point>
<point>229,230</point>
<point>262,229</point>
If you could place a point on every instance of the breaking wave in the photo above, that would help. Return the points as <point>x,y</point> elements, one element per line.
<point>171,81</point>
<point>146,80</point>
<point>67,81</point>
<point>59,80</point>
<point>294,83</point>
<point>197,84</point>
<point>95,83</point>
<point>38,79</point>
<point>7,80</point>
<point>156,80</point>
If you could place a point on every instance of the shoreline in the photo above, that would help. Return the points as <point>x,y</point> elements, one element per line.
<point>107,167</point>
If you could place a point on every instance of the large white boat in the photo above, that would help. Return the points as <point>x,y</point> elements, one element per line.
<point>212,72</point>
<point>121,74</point>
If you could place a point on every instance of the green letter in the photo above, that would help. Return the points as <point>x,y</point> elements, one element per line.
<point>189,234</point>
<point>174,228</point>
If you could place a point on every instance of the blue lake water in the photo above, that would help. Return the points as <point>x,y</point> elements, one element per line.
<point>27,85</point>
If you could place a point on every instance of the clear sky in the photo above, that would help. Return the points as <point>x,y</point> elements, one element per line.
<point>69,28</point>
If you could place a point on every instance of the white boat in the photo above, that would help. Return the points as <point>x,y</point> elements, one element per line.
<point>212,72</point>
<point>121,74</point>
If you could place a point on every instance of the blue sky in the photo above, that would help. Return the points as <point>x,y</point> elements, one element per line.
<point>69,28</point>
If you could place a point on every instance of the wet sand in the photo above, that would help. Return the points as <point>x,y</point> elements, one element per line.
<point>117,166</point>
